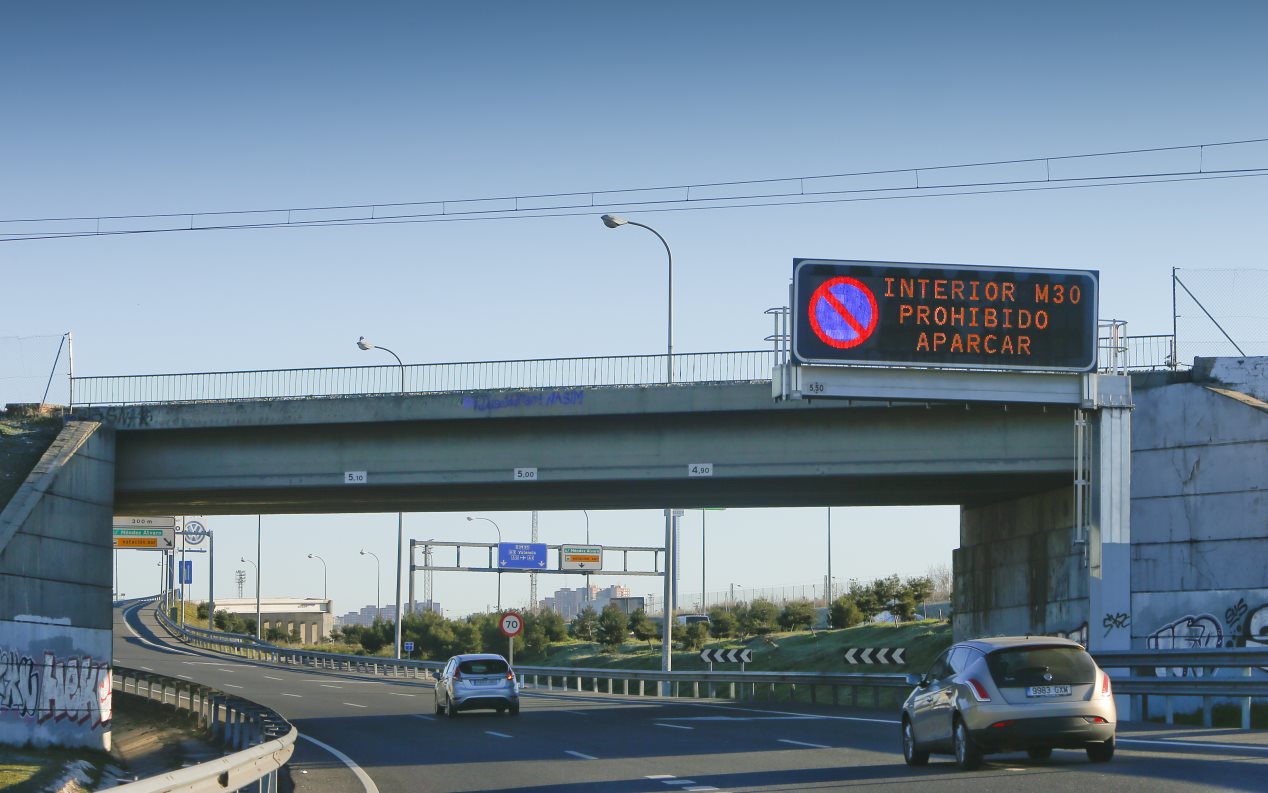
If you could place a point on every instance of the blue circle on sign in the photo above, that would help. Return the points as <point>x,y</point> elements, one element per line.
<point>843,312</point>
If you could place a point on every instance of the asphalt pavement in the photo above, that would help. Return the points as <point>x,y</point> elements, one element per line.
<point>360,733</point>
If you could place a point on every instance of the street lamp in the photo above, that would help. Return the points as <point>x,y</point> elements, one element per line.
<point>323,573</point>
<point>613,221</point>
<point>400,516</point>
<point>378,611</point>
<point>258,634</point>
<point>499,529</point>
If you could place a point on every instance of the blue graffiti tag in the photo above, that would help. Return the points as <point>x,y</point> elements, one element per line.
<point>489,404</point>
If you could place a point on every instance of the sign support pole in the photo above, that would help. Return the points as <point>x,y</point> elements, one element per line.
<point>667,628</point>
<point>211,581</point>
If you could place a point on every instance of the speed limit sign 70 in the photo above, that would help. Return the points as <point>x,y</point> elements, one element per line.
<point>512,624</point>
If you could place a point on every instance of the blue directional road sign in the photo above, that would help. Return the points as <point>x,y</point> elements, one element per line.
<point>521,556</point>
<point>409,647</point>
<point>187,572</point>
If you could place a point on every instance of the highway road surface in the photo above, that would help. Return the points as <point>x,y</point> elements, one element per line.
<point>360,733</point>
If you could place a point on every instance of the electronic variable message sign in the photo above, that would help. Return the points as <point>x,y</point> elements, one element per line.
<point>941,315</point>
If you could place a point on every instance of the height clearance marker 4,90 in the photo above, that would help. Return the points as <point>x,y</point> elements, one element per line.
<point>843,312</point>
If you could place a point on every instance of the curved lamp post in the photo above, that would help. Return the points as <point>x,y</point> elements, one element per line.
<point>400,516</point>
<point>614,221</point>
<point>378,610</point>
<point>323,573</point>
<point>258,627</point>
<point>499,530</point>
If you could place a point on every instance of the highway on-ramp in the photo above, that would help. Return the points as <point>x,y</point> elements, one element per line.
<point>360,733</point>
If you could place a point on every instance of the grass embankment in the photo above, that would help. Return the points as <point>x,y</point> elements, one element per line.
<point>31,770</point>
<point>803,651</point>
<point>23,440</point>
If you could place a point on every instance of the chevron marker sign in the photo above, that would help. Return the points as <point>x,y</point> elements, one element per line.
<point>875,655</point>
<point>735,656</point>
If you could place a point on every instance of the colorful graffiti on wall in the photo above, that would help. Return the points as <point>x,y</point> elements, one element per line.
<point>75,690</point>
<point>1242,626</point>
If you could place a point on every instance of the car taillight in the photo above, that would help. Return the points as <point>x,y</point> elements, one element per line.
<point>457,675</point>
<point>510,675</point>
<point>1002,724</point>
<point>979,691</point>
<point>1105,686</point>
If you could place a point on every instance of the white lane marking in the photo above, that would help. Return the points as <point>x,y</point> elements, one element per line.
<point>296,696</point>
<point>366,782</point>
<point>700,788</point>
<point>575,712</point>
<point>424,718</point>
<point>1194,744</point>
<point>579,755</point>
<point>674,726</point>
<point>659,776</point>
<point>803,743</point>
<point>230,685</point>
<point>354,705</point>
<point>270,677</point>
<point>327,685</point>
<point>398,694</point>
<point>185,677</point>
<point>204,663</point>
<point>679,781</point>
<point>806,717</point>
<point>148,669</point>
<point>496,734</point>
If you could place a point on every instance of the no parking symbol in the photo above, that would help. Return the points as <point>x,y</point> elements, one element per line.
<point>843,312</point>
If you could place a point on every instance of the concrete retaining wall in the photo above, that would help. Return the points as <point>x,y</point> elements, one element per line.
<point>1200,509</point>
<point>55,596</point>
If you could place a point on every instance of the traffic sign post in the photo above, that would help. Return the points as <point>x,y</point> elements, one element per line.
<point>875,655</point>
<point>731,656</point>
<point>409,649</point>
<point>512,625</point>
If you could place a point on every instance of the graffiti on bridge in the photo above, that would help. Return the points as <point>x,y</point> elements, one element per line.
<point>1243,626</point>
<point>1113,622</point>
<point>75,690</point>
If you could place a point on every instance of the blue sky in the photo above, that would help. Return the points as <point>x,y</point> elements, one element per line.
<point>153,107</point>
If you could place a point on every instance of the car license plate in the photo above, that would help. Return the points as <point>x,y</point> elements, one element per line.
<point>1048,691</point>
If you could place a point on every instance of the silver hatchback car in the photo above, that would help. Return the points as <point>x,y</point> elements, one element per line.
<point>477,681</point>
<point>1010,694</point>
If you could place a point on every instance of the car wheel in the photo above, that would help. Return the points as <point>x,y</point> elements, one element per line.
<point>910,753</point>
<point>515,709</point>
<point>1101,752</point>
<point>1039,752</point>
<point>967,756</point>
<point>451,710</point>
<point>439,708</point>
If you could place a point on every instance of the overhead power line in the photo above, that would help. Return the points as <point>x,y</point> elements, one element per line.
<point>783,191</point>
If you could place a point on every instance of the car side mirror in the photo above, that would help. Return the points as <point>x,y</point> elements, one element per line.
<point>435,675</point>
<point>918,680</point>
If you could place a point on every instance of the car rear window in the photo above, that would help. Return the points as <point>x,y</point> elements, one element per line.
<point>483,666</point>
<point>1038,666</point>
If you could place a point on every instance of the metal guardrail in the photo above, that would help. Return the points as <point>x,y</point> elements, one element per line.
<point>625,370</point>
<point>261,739</point>
<point>1136,353</point>
<point>1142,682</point>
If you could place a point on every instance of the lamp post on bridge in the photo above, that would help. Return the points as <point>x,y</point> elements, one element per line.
<point>323,573</point>
<point>378,610</point>
<point>499,530</point>
<point>615,221</point>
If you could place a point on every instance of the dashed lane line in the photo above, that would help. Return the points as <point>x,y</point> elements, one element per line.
<point>296,696</point>
<point>230,685</point>
<point>1193,744</point>
<point>399,694</point>
<point>497,734</point>
<point>361,775</point>
<point>673,726</point>
<point>185,677</point>
<point>803,743</point>
<point>354,705</point>
<point>579,755</point>
<point>424,718</point>
<point>327,685</point>
<point>270,677</point>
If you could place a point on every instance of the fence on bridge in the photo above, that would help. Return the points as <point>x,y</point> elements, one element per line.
<point>1117,353</point>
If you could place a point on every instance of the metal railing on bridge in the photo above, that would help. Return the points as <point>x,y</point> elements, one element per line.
<point>622,370</point>
<point>1116,354</point>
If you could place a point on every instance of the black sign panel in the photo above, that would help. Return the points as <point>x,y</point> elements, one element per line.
<point>944,315</point>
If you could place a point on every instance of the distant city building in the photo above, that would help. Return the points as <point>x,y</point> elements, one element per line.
<point>311,618</point>
<point>366,614</point>
<point>568,603</point>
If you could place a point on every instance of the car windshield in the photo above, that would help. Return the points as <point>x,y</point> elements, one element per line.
<point>483,666</point>
<point>1040,666</point>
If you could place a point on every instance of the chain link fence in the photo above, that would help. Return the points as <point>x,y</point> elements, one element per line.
<point>1207,301</point>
